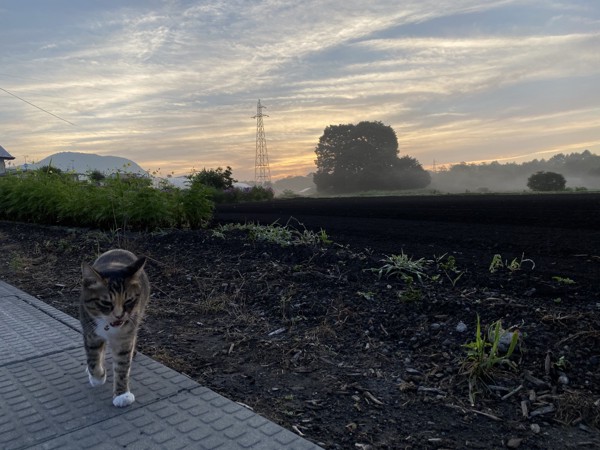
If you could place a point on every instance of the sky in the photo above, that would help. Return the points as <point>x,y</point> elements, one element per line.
<point>174,84</point>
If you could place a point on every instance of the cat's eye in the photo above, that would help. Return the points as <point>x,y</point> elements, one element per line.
<point>130,302</point>
<point>105,304</point>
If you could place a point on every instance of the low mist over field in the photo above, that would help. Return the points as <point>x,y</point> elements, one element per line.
<point>581,170</point>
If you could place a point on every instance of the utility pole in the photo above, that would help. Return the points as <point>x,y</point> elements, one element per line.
<point>262,173</point>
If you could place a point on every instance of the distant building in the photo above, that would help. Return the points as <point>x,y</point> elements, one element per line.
<point>4,156</point>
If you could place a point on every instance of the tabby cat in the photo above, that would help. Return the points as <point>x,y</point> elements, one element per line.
<point>114,295</point>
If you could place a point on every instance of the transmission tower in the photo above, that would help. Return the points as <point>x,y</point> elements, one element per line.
<point>262,173</point>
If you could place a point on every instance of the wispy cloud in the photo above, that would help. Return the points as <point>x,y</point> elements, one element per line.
<point>174,83</point>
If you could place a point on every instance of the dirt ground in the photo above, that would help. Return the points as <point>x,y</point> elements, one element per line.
<point>310,336</point>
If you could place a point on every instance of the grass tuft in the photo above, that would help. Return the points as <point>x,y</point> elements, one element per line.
<point>484,357</point>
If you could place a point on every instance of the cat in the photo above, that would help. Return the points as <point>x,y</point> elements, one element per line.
<point>114,295</point>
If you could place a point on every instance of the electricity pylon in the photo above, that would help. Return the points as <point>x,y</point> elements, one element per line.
<point>262,173</point>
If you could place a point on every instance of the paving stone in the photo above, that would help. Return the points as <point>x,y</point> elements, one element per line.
<point>6,290</point>
<point>155,433</point>
<point>27,332</point>
<point>46,401</point>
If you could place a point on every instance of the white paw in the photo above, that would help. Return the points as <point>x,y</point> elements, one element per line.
<point>123,400</point>
<point>95,381</point>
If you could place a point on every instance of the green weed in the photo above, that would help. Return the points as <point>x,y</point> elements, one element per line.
<point>402,266</point>
<point>566,281</point>
<point>449,268</point>
<point>410,294</point>
<point>16,263</point>
<point>367,295</point>
<point>483,355</point>
<point>276,234</point>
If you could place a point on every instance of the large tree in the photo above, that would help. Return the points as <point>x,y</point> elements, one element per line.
<point>546,181</point>
<point>361,157</point>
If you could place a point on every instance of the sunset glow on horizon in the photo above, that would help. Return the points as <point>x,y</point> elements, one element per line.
<point>174,84</point>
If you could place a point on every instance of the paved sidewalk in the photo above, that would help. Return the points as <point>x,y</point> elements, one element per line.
<point>46,401</point>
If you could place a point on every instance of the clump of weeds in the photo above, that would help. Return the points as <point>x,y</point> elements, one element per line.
<point>484,356</point>
<point>516,264</point>
<point>402,266</point>
<point>274,233</point>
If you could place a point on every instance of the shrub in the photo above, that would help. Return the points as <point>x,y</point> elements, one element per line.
<point>35,196</point>
<point>218,178</point>
<point>121,202</point>
<point>257,193</point>
<point>218,185</point>
<point>235,195</point>
<point>196,205</point>
<point>96,176</point>
<point>546,181</point>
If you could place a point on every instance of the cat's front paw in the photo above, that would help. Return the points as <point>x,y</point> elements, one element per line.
<point>95,381</point>
<point>126,399</point>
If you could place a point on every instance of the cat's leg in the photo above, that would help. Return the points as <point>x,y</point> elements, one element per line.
<point>122,356</point>
<point>95,349</point>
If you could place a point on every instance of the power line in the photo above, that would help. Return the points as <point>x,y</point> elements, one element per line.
<point>37,107</point>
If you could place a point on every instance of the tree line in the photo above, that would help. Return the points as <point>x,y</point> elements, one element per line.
<point>579,170</point>
<point>365,156</point>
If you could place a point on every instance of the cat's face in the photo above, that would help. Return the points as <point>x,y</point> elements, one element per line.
<point>113,295</point>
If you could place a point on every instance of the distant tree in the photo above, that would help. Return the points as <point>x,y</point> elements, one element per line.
<point>546,181</point>
<point>49,170</point>
<point>218,178</point>
<point>96,176</point>
<point>360,157</point>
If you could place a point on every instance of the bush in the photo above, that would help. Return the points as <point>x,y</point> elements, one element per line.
<point>218,186</point>
<point>36,196</point>
<point>546,181</point>
<point>96,176</point>
<point>218,178</point>
<point>235,195</point>
<point>258,193</point>
<point>122,201</point>
<point>197,205</point>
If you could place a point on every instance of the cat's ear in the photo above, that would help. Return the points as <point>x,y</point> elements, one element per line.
<point>136,268</point>
<point>90,275</point>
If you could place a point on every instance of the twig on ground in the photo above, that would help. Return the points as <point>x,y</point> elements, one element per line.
<point>464,411</point>
<point>513,392</point>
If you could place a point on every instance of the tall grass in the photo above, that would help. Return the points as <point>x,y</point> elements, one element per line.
<point>121,202</point>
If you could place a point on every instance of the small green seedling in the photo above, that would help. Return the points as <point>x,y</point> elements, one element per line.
<point>449,268</point>
<point>562,363</point>
<point>366,295</point>
<point>496,263</point>
<point>516,264</point>
<point>566,281</point>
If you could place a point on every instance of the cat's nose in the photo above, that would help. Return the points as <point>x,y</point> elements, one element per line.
<point>118,314</point>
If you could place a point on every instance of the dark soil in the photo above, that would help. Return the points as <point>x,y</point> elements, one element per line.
<point>308,336</point>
